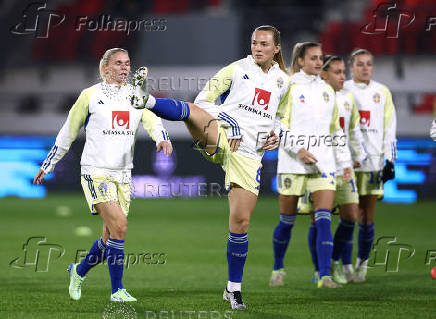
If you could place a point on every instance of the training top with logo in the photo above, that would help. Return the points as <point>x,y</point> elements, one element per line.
<point>110,125</point>
<point>251,102</point>
<point>312,119</point>
<point>349,120</point>
<point>377,122</point>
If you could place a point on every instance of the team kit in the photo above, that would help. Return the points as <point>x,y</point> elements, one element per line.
<point>336,146</point>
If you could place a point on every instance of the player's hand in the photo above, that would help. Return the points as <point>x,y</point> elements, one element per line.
<point>166,147</point>
<point>306,157</point>
<point>234,144</point>
<point>346,176</point>
<point>272,142</point>
<point>39,178</point>
<point>356,164</point>
<point>388,171</point>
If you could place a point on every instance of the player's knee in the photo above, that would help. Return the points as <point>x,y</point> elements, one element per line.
<point>241,225</point>
<point>120,228</point>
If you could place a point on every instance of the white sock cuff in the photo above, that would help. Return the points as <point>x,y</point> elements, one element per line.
<point>233,286</point>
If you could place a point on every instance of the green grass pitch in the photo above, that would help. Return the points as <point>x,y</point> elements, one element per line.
<point>192,234</point>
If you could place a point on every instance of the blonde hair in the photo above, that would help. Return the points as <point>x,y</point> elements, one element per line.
<point>104,61</point>
<point>357,52</point>
<point>278,57</point>
<point>299,51</point>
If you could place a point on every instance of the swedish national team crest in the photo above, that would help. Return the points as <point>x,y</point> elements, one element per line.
<point>287,182</point>
<point>102,188</point>
<point>347,106</point>
<point>326,97</point>
<point>376,98</point>
<point>280,83</point>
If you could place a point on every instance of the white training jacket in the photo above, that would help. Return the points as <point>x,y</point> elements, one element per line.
<point>251,102</point>
<point>377,122</point>
<point>312,118</point>
<point>110,127</point>
<point>349,120</point>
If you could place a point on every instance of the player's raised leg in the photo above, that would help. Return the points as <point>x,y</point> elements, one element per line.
<point>202,126</point>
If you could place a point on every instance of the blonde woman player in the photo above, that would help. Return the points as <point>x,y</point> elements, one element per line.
<point>110,125</point>
<point>251,94</point>
<point>346,196</point>
<point>310,153</point>
<point>378,125</point>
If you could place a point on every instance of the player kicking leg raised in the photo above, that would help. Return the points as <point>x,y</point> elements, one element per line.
<point>235,133</point>
<point>110,124</point>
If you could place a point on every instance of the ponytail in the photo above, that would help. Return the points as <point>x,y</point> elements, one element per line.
<point>299,51</point>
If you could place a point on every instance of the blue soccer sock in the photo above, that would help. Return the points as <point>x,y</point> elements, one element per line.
<point>324,241</point>
<point>115,262</point>
<point>281,238</point>
<point>343,235</point>
<point>366,237</point>
<point>311,241</point>
<point>237,248</point>
<point>95,256</point>
<point>170,109</point>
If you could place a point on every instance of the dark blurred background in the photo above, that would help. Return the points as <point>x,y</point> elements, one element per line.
<point>50,52</point>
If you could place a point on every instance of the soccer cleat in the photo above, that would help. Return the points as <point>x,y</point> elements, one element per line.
<point>277,278</point>
<point>75,282</point>
<point>348,274</point>
<point>337,274</point>
<point>315,278</point>
<point>235,299</point>
<point>327,282</point>
<point>360,274</point>
<point>140,94</point>
<point>121,295</point>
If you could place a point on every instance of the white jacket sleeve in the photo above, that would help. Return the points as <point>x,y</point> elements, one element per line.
<point>340,149</point>
<point>154,127</point>
<point>390,127</point>
<point>69,131</point>
<point>355,137</point>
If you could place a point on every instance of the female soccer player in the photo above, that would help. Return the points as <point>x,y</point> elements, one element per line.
<point>110,124</point>
<point>308,158</point>
<point>346,195</point>
<point>378,125</point>
<point>252,95</point>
